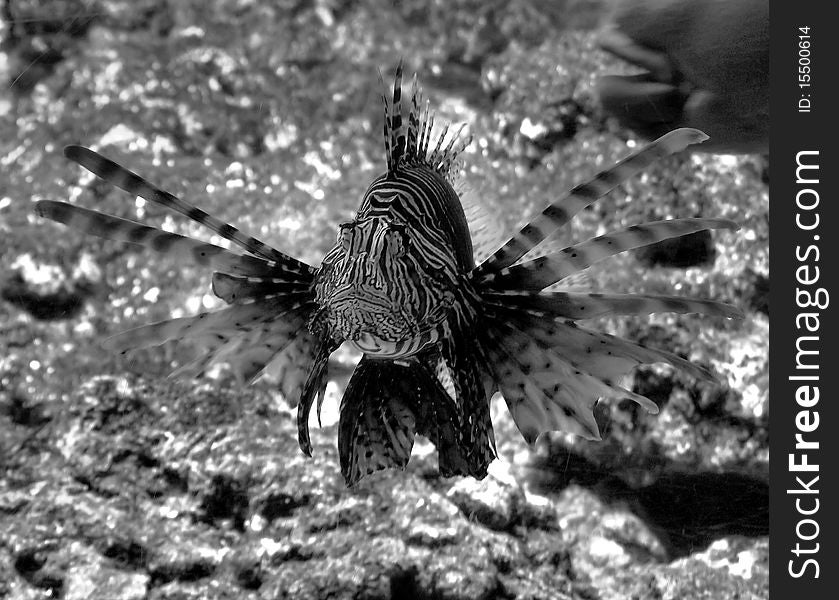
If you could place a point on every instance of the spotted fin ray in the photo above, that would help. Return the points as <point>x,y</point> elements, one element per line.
<point>560,212</point>
<point>536,410</point>
<point>544,391</point>
<point>283,342</point>
<point>171,244</point>
<point>137,186</point>
<point>602,354</point>
<point>575,305</point>
<point>408,144</point>
<point>541,272</point>
<point>234,318</point>
<point>242,290</point>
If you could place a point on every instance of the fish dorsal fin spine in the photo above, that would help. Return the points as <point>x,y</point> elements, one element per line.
<point>407,139</point>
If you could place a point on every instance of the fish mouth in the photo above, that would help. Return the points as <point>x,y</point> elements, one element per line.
<point>373,345</point>
<point>370,344</point>
<point>366,333</point>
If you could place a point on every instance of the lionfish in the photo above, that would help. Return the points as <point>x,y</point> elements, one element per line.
<point>439,334</point>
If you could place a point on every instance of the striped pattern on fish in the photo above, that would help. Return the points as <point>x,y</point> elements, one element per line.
<point>439,334</point>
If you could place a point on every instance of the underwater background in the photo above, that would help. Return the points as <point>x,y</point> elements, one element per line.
<point>116,482</point>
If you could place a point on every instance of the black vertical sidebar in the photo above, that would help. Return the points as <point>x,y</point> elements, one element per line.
<point>804,337</point>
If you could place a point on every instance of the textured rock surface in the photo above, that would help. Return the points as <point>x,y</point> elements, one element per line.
<point>121,485</point>
<point>131,508</point>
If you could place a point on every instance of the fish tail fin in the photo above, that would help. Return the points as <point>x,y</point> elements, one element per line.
<point>560,212</point>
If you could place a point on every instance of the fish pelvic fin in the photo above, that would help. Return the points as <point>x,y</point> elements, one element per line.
<point>313,389</point>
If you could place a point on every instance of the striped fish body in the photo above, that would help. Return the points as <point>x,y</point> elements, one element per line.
<point>397,287</point>
<point>439,334</point>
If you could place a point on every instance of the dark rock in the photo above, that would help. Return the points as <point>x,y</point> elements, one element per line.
<point>692,250</point>
<point>756,294</point>
<point>38,566</point>
<point>279,504</point>
<point>488,502</point>
<point>689,511</point>
<point>226,499</point>
<point>75,572</point>
<point>183,562</point>
<point>40,34</point>
<point>538,104</point>
<point>125,552</point>
<point>64,303</point>
<point>152,16</point>
<point>246,567</point>
<point>22,411</point>
<point>621,557</point>
<point>395,534</point>
<point>653,384</point>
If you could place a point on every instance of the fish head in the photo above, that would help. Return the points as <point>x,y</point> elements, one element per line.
<point>388,284</point>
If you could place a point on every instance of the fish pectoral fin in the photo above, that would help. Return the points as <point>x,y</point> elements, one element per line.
<point>542,392</point>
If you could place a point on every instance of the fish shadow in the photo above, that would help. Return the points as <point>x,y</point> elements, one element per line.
<point>687,511</point>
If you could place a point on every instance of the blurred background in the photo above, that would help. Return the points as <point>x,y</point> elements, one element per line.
<point>116,482</point>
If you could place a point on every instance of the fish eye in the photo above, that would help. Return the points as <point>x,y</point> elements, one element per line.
<point>345,234</point>
<point>396,240</point>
